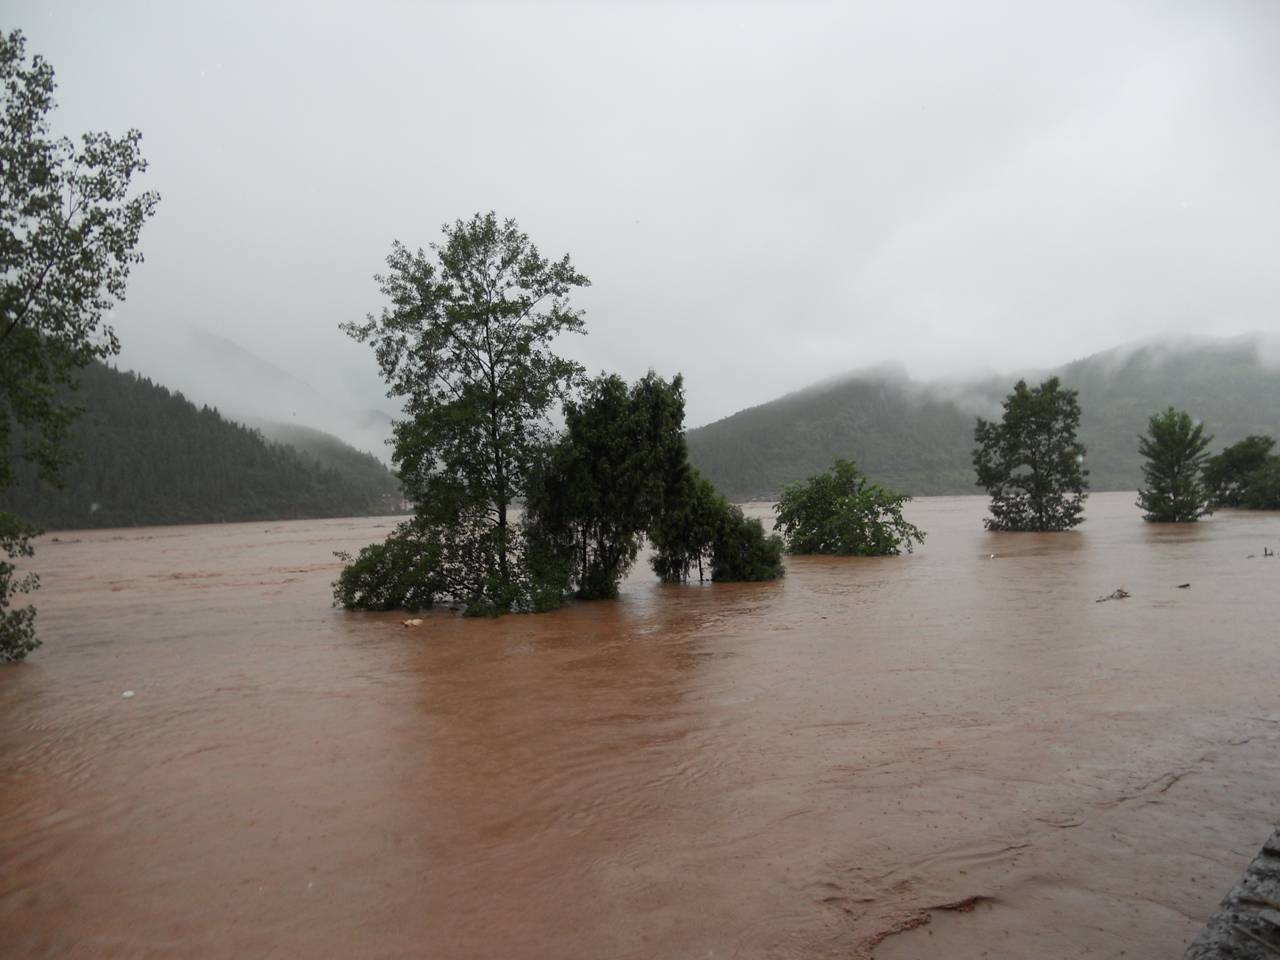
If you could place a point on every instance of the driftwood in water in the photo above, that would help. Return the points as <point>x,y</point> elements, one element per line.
<point>1244,926</point>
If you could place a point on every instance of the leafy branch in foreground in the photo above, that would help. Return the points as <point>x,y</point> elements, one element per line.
<point>17,624</point>
<point>69,230</point>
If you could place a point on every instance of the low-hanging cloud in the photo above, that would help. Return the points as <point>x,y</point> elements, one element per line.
<point>763,195</point>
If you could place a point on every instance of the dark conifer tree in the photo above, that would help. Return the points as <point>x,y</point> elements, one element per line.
<point>1174,448</point>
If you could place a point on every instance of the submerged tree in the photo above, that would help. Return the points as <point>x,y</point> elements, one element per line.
<point>1174,448</point>
<point>1263,489</point>
<point>742,551</point>
<point>1230,474</point>
<point>606,482</point>
<point>398,574</point>
<point>841,512</point>
<point>466,344</point>
<point>620,472</point>
<point>1030,462</point>
<point>701,529</point>
<point>684,535</point>
<point>69,231</point>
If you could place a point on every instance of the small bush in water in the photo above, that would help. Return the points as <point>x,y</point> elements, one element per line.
<point>742,551</point>
<point>397,574</point>
<point>841,513</point>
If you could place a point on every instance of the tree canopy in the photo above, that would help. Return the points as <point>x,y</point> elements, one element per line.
<point>1263,490</point>
<point>620,472</point>
<point>1030,462</point>
<point>841,512</point>
<point>742,551</point>
<point>608,479</point>
<point>1229,475</point>
<point>1174,448</point>
<point>69,230</point>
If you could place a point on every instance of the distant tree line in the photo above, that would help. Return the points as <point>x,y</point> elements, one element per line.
<point>1032,465</point>
<point>140,454</point>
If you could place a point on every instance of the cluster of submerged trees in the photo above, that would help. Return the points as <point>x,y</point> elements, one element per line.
<point>1032,465</point>
<point>510,514</point>
<point>466,344</point>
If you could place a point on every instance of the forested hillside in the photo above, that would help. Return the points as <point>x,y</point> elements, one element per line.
<point>363,470</point>
<point>918,437</point>
<point>145,455</point>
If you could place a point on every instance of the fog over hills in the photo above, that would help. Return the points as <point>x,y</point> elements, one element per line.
<point>761,194</point>
<point>244,386</point>
<point>914,435</point>
<point>918,436</point>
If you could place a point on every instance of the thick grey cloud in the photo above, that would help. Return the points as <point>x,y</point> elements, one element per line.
<point>763,195</point>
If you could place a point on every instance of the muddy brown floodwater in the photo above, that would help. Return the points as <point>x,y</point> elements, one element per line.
<point>945,754</point>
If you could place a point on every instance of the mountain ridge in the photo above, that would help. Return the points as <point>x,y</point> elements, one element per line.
<point>917,436</point>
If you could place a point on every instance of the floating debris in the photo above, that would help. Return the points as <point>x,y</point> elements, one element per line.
<point>1117,594</point>
<point>127,695</point>
<point>1183,586</point>
<point>415,622</point>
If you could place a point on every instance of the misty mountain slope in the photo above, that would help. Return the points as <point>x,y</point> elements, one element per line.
<point>903,437</point>
<point>212,369</point>
<point>363,470</point>
<point>145,455</point>
<point>915,438</point>
<point>1223,383</point>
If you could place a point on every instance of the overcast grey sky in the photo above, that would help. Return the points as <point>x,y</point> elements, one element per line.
<point>762,194</point>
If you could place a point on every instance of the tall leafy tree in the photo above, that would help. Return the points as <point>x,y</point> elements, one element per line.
<point>466,344</point>
<point>69,229</point>
<point>1030,462</point>
<point>1174,448</point>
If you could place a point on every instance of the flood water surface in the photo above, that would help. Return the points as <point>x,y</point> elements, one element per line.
<point>947,754</point>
